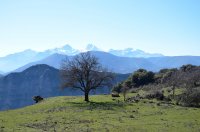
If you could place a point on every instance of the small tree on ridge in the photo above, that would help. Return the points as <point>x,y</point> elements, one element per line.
<point>84,72</point>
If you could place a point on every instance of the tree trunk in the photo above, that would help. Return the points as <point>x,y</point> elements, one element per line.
<point>124,94</point>
<point>87,96</point>
<point>173,91</point>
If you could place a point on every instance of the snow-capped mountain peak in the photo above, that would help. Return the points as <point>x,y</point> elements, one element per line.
<point>66,47</point>
<point>91,47</point>
<point>130,52</point>
<point>66,50</point>
<point>15,60</point>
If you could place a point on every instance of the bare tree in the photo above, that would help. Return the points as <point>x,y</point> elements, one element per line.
<point>173,79</point>
<point>188,76</point>
<point>125,87</point>
<point>84,72</point>
<point>124,91</point>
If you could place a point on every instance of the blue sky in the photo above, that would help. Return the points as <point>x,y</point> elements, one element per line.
<point>170,27</point>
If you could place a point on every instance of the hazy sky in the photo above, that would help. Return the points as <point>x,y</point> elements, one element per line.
<point>170,27</point>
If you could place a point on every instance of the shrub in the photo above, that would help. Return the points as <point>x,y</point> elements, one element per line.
<point>191,98</point>
<point>167,99</point>
<point>114,94</point>
<point>117,88</point>
<point>142,77</point>
<point>152,87</point>
<point>169,90</point>
<point>37,99</point>
<point>133,90</point>
<point>135,99</point>
<point>155,94</point>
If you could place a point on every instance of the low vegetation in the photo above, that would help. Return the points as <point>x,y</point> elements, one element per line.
<point>103,113</point>
<point>187,78</point>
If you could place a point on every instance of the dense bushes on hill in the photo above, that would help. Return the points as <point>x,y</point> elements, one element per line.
<point>142,77</point>
<point>186,77</point>
<point>139,78</point>
<point>190,97</point>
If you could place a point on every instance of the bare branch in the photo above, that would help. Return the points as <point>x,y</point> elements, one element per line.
<point>84,72</point>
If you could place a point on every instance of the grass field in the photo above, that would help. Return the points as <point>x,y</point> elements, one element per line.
<point>103,114</point>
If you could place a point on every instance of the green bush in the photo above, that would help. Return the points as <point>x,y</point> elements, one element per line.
<point>142,77</point>
<point>190,97</point>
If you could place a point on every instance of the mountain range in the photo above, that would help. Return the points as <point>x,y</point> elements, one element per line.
<point>122,64</point>
<point>130,52</point>
<point>119,61</point>
<point>17,89</point>
<point>38,72</point>
<point>113,63</point>
<point>14,61</point>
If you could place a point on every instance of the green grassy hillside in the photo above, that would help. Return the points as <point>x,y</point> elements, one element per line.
<point>103,114</point>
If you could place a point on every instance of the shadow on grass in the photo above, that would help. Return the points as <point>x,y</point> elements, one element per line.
<point>97,105</point>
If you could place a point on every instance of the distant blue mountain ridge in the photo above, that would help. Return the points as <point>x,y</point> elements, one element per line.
<point>119,61</point>
<point>17,60</point>
<point>122,64</point>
